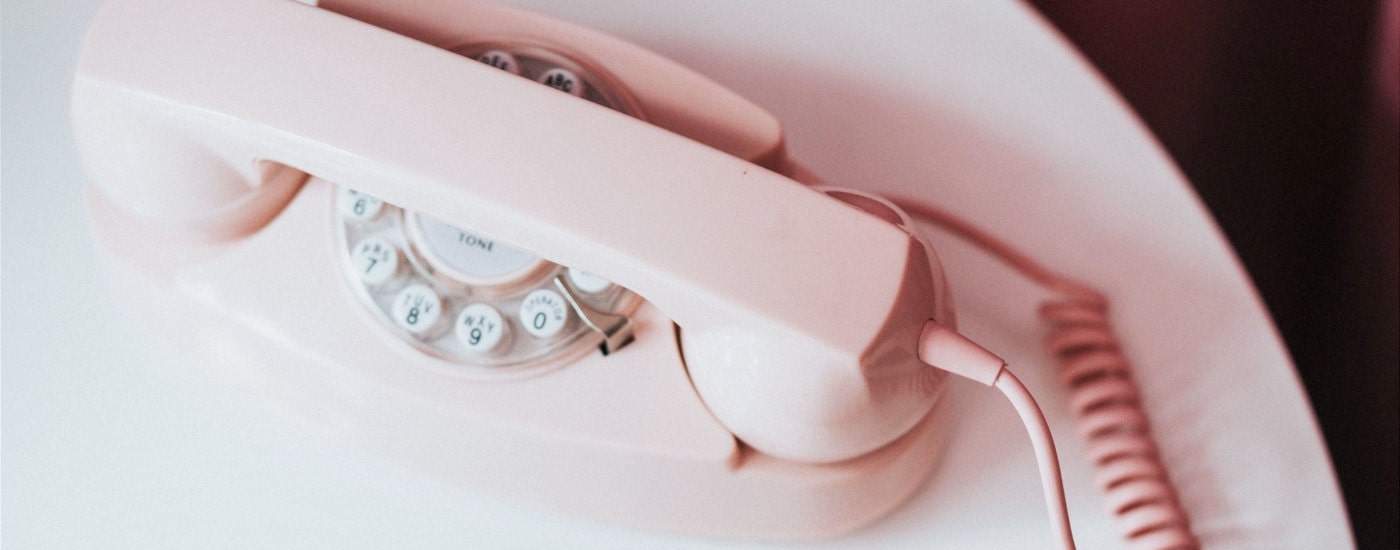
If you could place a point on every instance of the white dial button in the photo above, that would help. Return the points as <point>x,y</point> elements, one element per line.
<point>417,309</point>
<point>359,206</point>
<point>563,80</point>
<point>375,260</point>
<point>500,60</point>
<point>544,313</point>
<point>588,282</point>
<point>472,257</point>
<point>480,328</point>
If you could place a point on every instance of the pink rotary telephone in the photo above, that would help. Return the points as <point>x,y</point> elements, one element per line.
<point>524,256</point>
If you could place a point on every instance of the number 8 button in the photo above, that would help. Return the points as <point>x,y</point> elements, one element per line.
<point>544,313</point>
<point>417,309</point>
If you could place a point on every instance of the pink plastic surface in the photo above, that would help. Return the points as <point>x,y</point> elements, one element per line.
<point>670,95</point>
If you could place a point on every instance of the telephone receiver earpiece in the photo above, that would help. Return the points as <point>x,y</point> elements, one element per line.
<point>798,314</point>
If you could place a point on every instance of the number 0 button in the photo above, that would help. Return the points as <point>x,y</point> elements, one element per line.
<point>544,313</point>
<point>417,309</point>
<point>480,328</point>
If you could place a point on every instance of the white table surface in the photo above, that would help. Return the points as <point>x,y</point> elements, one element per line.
<point>976,106</point>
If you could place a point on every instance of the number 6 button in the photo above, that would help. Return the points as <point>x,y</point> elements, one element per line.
<point>480,328</point>
<point>359,206</point>
<point>544,313</point>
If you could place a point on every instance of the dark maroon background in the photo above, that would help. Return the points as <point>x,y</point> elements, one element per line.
<point>1272,110</point>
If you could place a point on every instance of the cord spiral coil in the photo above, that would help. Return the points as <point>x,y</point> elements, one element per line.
<point>1103,396</point>
<point>1108,413</point>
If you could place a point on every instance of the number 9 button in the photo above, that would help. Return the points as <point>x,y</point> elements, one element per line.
<point>480,328</point>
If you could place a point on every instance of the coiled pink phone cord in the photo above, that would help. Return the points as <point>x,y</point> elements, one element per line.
<point>1102,395</point>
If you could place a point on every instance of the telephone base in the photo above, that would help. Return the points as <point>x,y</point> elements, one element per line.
<point>621,439</point>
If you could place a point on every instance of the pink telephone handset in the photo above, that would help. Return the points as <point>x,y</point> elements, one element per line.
<point>678,335</point>
<point>216,130</point>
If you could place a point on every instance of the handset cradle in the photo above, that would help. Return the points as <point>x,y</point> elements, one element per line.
<point>616,329</point>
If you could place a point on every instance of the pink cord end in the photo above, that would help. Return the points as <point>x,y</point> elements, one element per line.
<point>946,349</point>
